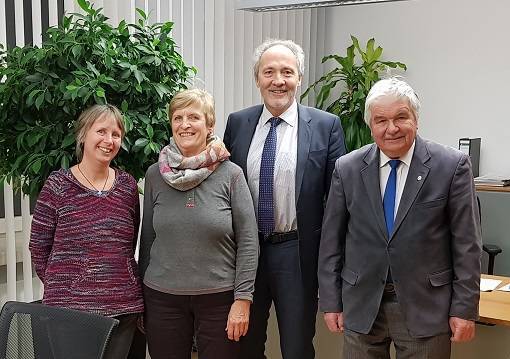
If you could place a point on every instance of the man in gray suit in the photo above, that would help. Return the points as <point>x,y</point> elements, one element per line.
<point>399,258</point>
<point>287,152</point>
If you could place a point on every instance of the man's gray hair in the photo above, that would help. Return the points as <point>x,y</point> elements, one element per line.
<point>394,87</point>
<point>291,45</point>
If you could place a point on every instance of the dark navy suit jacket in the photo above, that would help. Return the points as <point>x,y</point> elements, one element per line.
<point>320,142</point>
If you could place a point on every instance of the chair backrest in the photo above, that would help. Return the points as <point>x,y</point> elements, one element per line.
<point>37,331</point>
<point>491,249</point>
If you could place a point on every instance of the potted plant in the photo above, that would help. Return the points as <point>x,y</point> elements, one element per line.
<point>355,76</point>
<point>84,61</point>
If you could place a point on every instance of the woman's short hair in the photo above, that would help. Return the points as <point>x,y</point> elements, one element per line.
<point>190,97</point>
<point>88,118</point>
<point>393,87</point>
<point>298,52</point>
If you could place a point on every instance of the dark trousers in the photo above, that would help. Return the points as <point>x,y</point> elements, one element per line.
<point>138,346</point>
<point>122,336</point>
<point>172,320</point>
<point>279,280</point>
<point>390,326</point>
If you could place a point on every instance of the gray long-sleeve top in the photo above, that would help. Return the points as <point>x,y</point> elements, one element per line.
<point>199,241</point>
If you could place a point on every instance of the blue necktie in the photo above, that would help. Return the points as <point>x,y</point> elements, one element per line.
<point>266,203</point>
<point>389,197</point>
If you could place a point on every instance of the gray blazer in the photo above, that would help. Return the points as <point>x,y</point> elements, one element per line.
<point>434,252</point>
<point>320,143</point>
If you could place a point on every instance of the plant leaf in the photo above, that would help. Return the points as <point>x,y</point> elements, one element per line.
<point>36,166</point>
<point>150,131</point>
<point>141,142</point>
<point>343,89</point>
<point>39,100</point>
<point>85,5</point>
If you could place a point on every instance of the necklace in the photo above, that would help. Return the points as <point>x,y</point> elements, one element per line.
<point>99,192</point>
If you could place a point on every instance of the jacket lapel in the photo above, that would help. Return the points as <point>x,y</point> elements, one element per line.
<point>303,146</point>
<point>370,176</point>
<point>246,137</point>
<point>416,176</point>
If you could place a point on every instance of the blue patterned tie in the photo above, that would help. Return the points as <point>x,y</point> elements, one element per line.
<point>266,204</point>
<point>389,197</point>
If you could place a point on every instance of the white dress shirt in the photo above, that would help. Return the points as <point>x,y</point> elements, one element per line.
<point>402,171</point>
<point>284,168</point>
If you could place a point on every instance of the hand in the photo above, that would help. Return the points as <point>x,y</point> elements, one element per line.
<point>140,324</point>
<point>335,322</point>
<point>462,330</point>
<point>238,319</point>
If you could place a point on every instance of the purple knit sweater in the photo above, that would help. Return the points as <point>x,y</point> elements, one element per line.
<point>82,245</point>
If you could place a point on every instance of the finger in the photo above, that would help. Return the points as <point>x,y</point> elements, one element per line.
<point>471,334</point>
<point>332,328</point>
<point>239,331</point>
<point>230,332</point>
<point>241,328</point>
<point>332,325</point>
<point>457,335</point>
<point>140,325</point>
<point>453,328</point>
<point>236,332</point>
<point>340,323</point>
<point>467,334</point>
<point>335,325</point>
<point>453,338</point>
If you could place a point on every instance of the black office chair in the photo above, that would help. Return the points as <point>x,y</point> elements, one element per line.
<point>491,249</point>
<point>37,331</point>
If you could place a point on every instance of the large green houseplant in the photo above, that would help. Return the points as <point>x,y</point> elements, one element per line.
<point>84,61</point>
<point>354,76</point>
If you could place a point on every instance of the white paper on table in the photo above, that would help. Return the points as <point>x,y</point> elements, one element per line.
<point>487,285</point>
<point>505,288</point>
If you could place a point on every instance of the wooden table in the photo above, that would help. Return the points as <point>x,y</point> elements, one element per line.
<point>483,188</point>
<point>495,305</point>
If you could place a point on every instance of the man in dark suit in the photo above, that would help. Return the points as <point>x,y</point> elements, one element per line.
<point>400,251</point>
<point>287,152</point>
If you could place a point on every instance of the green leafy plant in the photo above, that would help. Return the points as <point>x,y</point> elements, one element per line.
<point>84,61</point>
<point>355,76</point>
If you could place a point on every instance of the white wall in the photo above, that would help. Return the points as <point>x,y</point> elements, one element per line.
<point>457,55</point>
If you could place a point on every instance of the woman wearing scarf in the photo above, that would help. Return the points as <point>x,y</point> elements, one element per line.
<point>199,242</point>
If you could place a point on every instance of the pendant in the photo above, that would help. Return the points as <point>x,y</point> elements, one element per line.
<point>191,199</point>
<point>99,193</point>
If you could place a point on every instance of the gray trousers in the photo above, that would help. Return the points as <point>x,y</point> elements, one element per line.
<point>390,326</point>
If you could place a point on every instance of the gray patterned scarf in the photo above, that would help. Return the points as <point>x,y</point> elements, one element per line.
<point>185,173</point>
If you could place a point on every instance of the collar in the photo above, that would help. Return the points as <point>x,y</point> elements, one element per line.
<point>289,116</point>
<point>383,159</point>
